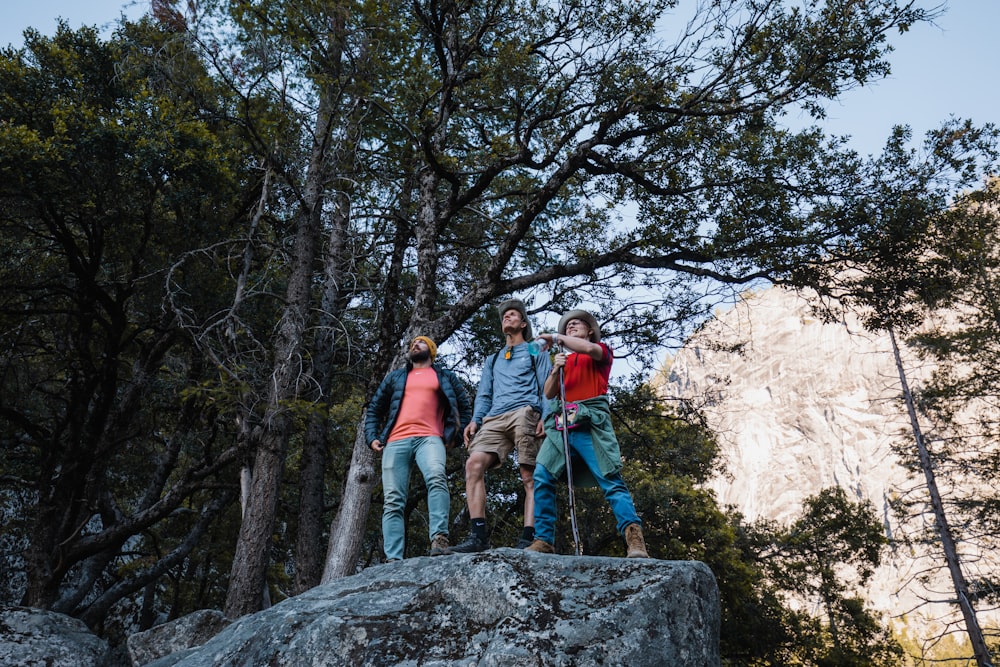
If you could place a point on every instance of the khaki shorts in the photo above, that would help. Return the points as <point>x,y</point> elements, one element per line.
<point>500,434</point>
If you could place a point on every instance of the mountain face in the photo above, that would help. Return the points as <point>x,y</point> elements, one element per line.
<point>806,405</point>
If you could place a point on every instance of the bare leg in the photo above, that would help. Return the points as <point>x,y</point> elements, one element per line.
<point>475,482</point>
<point>528,479</point>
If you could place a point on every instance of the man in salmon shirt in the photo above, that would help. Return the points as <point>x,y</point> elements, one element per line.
<point>592,441</point>
<point>416,412</point>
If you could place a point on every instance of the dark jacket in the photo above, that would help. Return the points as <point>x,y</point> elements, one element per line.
<point>384,406</point>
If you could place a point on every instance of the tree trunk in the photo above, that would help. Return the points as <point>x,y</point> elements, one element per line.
<point>348,527</point>
<point>42,583</point>
<point>312,472</point>
<point>250,560</point>
<point>269,440</point>
<point>309,551</point>
<point>348,530</point>
<point>941,519</point>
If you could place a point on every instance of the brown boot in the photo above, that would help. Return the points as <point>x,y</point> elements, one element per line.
<point>541,547</point>
<point>633,540</point>
<point>439,545</point>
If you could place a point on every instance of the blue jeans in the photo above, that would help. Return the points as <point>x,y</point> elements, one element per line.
<point>397,457</point>
<point>581,446</point>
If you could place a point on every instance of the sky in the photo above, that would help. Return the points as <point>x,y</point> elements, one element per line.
<point>949,69</point>
<point>938,71</point>
<point>942,70</point>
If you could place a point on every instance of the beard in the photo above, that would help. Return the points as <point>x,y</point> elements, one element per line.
<point>420,355</point>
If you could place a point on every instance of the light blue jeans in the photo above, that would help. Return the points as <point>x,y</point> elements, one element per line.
<point>397,457</point>
<point>581,446</point>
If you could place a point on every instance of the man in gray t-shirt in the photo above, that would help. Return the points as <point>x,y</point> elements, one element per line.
<point>508,414</point>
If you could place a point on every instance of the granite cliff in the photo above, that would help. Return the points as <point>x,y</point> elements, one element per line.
<point>803,405</point>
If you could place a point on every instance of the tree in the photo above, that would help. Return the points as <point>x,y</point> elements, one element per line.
<point>505,134</point>
<point>313,46</point>
<point>832,548</point>
<point>912,262</point>
<point>816,563</point>
<point>109,172</point>
<point>532,120</point>
<point>960,336</point>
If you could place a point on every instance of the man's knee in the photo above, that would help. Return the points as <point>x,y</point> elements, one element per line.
<point>436,481</point>
<point>476,465</point>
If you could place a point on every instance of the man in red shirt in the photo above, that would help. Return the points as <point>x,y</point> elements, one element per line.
<point>592,441</point>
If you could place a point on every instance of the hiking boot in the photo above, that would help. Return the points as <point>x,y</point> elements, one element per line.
<point>633,540</point>
<point>541,547</point>
<point>439,545</point>
<point>472,544</point>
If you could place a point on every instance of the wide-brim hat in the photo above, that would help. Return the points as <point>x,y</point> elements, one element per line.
<point>581,315</point>
<point>518,305</point>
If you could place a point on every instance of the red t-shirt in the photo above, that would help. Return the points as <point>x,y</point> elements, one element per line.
<point>586,378</point>
<point>420,412</point>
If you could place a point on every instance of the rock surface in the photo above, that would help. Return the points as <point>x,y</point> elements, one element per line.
<point>192,630</point>
<point>37,638</point>
<point>496,608</point>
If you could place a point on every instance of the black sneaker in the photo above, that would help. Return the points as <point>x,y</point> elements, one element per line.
<point>472,544</point>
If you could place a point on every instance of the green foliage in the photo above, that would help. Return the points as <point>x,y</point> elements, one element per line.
<point>824,557</point>
<point>833,531</point>
<point>108,177</point>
